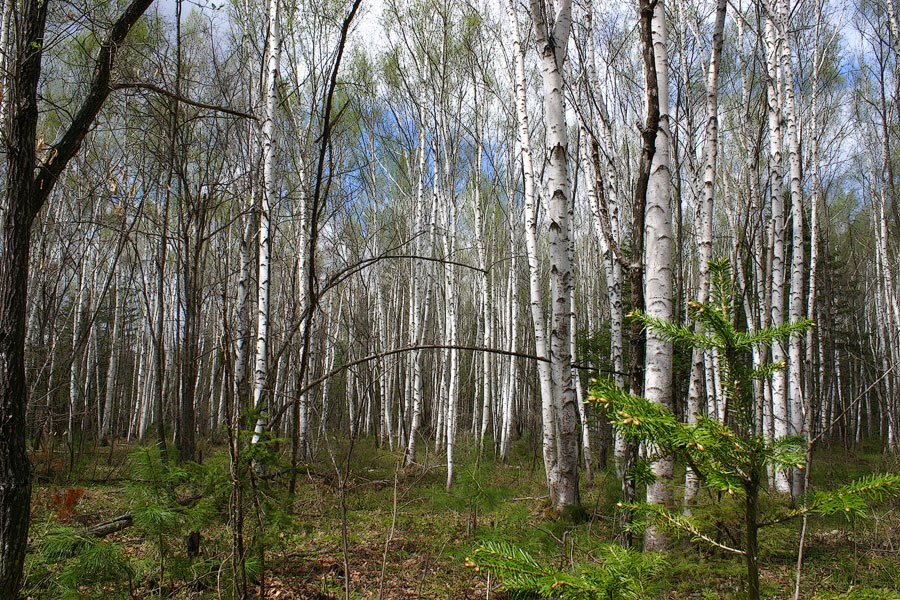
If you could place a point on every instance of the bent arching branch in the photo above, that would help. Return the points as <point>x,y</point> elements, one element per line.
<point>133,85</point>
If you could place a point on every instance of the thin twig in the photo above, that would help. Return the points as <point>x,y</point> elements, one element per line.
<point>390,537</point>
<point>800,558</point>
<point>851,405</point>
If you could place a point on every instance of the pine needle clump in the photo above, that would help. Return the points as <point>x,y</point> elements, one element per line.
<point>620,574</point>
<point>67,563</point>
<point>170,501</point>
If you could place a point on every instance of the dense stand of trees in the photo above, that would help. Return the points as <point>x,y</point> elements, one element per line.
<point>428,224</point>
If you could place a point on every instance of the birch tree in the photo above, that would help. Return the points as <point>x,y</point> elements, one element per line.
<point>548,403</point>
<point>260,373</point>
<point>779,413</point>
<point>796,308</point>
<point>552,25</point>
<point>705,230</point>
<point>659,245</point>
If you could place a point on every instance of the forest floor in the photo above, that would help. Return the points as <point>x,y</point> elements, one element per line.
<point>403,536</point>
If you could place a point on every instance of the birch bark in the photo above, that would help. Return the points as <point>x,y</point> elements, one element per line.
<point>658,265</point>
<point>5,49</point>
<point>510,307</point>
<point>576,379</point>
<point>260,372</point>
<point>78,336</point>
<point>780,411</point>
<point>447,198</point>
<point>484,288</point>
<point>705,238</point>
<point>603,202</point>
<point>548,404</point>
<point>796,306</point>
<point>552,26</point>
<point>814,388</point>
<point>417,327</point>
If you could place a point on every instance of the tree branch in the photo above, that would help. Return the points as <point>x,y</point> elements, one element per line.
<point>134,85</point>
<point>850,406</point>
<point>62,152</point>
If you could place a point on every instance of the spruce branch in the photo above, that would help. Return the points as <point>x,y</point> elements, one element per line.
<point>786,453</point>
<point>766,370</point>
<point>655,514</point>
<point>850,500</point>
<point>672,332</point>
<point>715,319</point>
<point>775,333</point>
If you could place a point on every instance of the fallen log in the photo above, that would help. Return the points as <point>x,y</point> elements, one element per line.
<point>109,527</point>
<point>125,521</point>
<point>99,530</point>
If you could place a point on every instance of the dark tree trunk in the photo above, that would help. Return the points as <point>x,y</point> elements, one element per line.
<point>191,240</point>
<point>20,209</point>
<point>190,355</point>
<point>159,347</point>
<point>15,469</point>
<point>27,188</point>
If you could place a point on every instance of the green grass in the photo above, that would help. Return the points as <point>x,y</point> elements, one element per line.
<point>435,531</point>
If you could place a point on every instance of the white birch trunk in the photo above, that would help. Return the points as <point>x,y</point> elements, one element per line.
<point>506,412</point>
<point>605,215</point>
<point>580,400</point>
<point>814,388</point>
<point>5,23</point>
<point>485,295</point>
<point>696,388</point>
<point>446,197</point>
<point>780,414</point>
<point>576,379</point>
<point>796,308</point>
<point>416,334</point>
<point>548,404</point>
<point>260,371</point>
<point>890,306</point>
<point>491,373</point>
<point>552,26</point>
<point>301,421</point>
<point>658,256</point>
<point>384,382</point>
<point>75,362</point>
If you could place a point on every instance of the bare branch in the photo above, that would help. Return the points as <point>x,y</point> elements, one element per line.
<point>135,85</point>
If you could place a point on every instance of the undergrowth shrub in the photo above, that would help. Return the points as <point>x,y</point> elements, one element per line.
<point>168,503</point>
<point>730,457</point>
<point>67,564</point>
<point>617,574</point>
<point>471,495</point>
